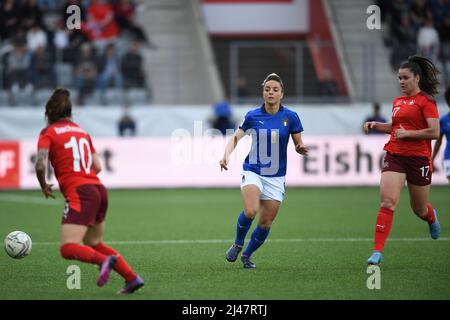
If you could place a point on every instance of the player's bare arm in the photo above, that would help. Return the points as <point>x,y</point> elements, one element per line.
<point>379,126</point>
<point>432,132</point>
<point>299,145</point>
<point>41,167</point>
<point>231,145</point>
<point>96,163</point>
<point>437,146</point>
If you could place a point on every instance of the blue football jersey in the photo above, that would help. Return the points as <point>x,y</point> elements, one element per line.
<point>445,130</point>
<point>270,137</point>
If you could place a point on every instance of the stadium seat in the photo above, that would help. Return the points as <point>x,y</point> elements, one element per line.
<point>137,96</point>
<point>113,97</point>
<point>93,99</point>
<point>4,98</point>
<point>41,96</point>
<point>64,74</point>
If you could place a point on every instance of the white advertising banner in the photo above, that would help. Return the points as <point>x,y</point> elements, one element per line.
<point>185,161</point>
<point>256,17</point>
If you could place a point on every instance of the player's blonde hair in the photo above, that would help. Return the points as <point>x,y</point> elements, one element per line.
<point>275,77</point>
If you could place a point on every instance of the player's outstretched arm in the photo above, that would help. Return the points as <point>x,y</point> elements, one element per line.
<point>379,126</point>
<point>41,167</point>
<point>299,145</point>
<point>231,145</point>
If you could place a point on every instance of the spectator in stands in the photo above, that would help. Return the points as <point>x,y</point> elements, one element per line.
<point>76,39</point>
<point>85,73</point>
<point>132,67</point>
<point>18,63</point>
<point>126,124</point>
<point>43,73</point>
<point>328,86</point>
<point>48,5</point>
<point>9,18</point>
<point>376,116</point>
<point>242,89</point>
<point>36,37</point>
<point>124,15</point>
<point>420,12</point>
<point>61,36</point>
<point>222,119</point>
<point>404,40</point>
<point>31,15</point>
<point>428,41</point>
<point>109,69</point>
<point>101,27</point>
<point>440,12</point>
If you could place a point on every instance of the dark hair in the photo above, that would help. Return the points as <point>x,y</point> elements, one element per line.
<point>427,72</point>
<point>447,96</point>
<point>275,77</point>
<point>58,106</point>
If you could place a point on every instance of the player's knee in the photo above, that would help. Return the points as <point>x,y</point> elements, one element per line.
<point>250,212</point>
<point>389,203</point>
<point>420,211</point>
<point>265,224</point>
<point>90,242</point>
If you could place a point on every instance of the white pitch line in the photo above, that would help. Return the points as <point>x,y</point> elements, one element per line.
<point>29,199</point>
<point>212,241</point>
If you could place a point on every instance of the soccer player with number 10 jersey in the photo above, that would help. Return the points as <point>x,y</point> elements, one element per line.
<point>76,166</point>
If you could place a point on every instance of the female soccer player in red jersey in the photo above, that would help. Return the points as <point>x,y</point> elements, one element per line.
<point>415,122</point>
<point>76,166</point>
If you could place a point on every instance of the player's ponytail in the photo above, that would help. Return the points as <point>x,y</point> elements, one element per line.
<point>58,106</point>
<point>427,72</point>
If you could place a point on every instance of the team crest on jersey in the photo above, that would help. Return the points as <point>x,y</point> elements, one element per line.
<point>285,122</point>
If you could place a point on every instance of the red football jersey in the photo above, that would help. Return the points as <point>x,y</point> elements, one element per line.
<point>70,153</point>
<point>411,113</point>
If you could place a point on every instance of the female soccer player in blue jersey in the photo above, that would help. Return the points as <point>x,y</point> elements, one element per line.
<point>264,169</point>
<point>445,131</point>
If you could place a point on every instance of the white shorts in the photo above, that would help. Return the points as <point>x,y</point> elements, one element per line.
<point>272,188</point>
<point>447,167</point>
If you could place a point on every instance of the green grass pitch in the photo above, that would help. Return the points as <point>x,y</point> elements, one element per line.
<point>317,248</point>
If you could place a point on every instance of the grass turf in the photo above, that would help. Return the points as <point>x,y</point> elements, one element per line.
<point>317,248</point>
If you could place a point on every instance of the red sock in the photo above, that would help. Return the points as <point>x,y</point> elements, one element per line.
<point>430,215</point>
<point>121,266</point>
<point>75,251</point>
<point>382,227</point>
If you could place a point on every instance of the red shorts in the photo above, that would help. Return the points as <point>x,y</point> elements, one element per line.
<point>86,205</point>
<point>417,169</point>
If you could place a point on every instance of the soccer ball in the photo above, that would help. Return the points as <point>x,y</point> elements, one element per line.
<point>18,244</point>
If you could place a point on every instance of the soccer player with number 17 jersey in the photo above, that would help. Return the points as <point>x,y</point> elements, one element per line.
<point>415,122</point>
<point>76,165</point>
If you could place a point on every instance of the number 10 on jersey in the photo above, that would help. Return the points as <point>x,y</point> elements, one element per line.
<point>79,150</point>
